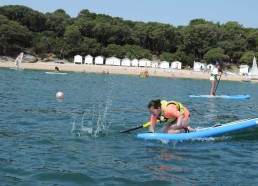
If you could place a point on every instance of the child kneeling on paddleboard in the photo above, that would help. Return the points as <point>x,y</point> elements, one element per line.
<point>174,113</point>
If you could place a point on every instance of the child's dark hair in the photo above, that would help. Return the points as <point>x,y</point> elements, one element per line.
<point>154,103</point>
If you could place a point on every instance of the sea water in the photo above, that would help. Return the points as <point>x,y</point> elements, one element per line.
<point>77,140</point>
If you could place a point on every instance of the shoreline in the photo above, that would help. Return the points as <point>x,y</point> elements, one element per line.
<point>121,70</point>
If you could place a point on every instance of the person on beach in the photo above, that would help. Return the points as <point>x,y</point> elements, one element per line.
<point>144,74</point>
<point>174,113</point>
<point>214,78</point>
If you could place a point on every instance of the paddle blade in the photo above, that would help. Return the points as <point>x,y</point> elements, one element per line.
<point>129,130</point>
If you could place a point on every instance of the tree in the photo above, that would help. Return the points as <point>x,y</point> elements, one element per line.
<point>200,36</point>
<point>165,56</point>
<point>252,39</point>
<point>90,46</point>
<point>233,40</point>
<point>57,22</point>
<point>44,43</point>
<point>216,54</point>
<point>13,36</point>
<point>73,40</point>
<point>33,20</point>
<point>114,50</point>
<point>161,37</point>
<point>247,58</point>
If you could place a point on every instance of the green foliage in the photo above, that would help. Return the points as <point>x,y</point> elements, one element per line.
<point>134,51</point>
<point>247,58</point>
<point>252,39</point>
<point>73,39</point>
<point>113,50</point>
<point>200,36</point>
<point>58,21</point>
<point>44,42</point>
<point>27,17</point>
<point>167,57</point>
<point>216,54</point>
<point>90,46</point>
<point>98,34</point>
<point>13,36</point>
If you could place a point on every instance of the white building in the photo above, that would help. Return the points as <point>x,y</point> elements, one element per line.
<point>198,66</point>
<point>176,65</point>
<point>144,63</point>
<point>77,59</point>
<point>243,69</point>
<point>126,62</point>
<point>99,60</point>
<point>164,64</point>
<point>88,59</point>
<point>135,62</point>
<point>114,61</point>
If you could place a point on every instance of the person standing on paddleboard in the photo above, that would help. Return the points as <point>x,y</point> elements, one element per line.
<point>174,113</point>
<point>214,78</point>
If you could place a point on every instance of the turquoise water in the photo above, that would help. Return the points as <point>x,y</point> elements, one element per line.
<point>76,141</point>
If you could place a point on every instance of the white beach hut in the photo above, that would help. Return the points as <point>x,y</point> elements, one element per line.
<point>117,61</point>
<point>144,63</point>
<point>99,60</point>
<point>113,61</point>
<point>135,62</point>
<point>78,59</point>
<point>176,65</point>
<point>88,59</point>
<point>126,62</point>
<point>198,66</point>
<point>243,69</point>
<point>164,64</point>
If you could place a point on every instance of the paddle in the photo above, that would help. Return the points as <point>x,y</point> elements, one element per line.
<point>129,130</point>
<point>217,84</point>
<point>217,125</point>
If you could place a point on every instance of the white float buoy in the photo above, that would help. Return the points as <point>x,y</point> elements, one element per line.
<point>59,95</point>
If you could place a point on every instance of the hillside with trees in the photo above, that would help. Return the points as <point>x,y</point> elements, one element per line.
<point>39,34</point>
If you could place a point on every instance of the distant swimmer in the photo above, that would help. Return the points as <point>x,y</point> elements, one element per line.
<point>57,70</point>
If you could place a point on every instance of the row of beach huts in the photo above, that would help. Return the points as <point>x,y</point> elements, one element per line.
<point>114,61</point>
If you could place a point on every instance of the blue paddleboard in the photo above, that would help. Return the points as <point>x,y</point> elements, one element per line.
<point>221,96</point>
<point>202,133</point>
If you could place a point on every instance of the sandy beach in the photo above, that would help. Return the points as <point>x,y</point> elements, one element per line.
<point>70,67</point>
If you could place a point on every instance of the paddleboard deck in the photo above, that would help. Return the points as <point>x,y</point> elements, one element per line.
<point>56,73</point>
<point>221,96</point>
<point>202,133</point>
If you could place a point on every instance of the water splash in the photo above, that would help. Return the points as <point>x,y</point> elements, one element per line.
<point>94,121</point>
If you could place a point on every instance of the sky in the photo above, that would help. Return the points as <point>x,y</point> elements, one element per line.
<point>173,12</point>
